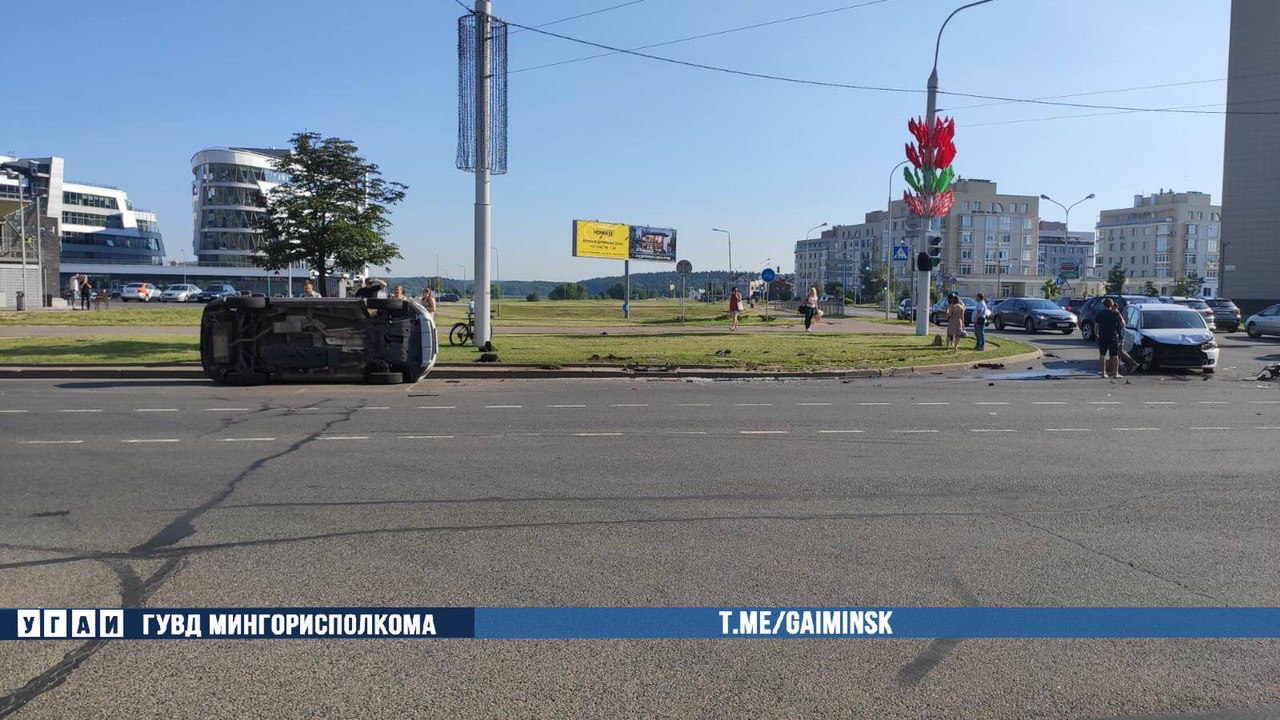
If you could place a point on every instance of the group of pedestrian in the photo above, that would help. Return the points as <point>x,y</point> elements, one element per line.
<point>80,291</point>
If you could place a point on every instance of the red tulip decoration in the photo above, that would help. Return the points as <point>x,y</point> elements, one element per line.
<point>930,174</point>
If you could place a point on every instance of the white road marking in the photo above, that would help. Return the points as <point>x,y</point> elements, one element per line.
<point>157,410</point>
<point>1068,429</point>
<point>1214,402</point>
<point>597,434</point>
<point>693,405</point>
<point>52,442</point>
<point>690,432</point>
<point>437,407</point>
<point>932,403</point>
<point>79,411</point>
<point>630,405</point>
<point>562,406</point>
<point>753,404</point>
<point>343,437</point>
<point>1211,428</point>
<point>907,432</point>
<point>226,409</point>
<point>813,404</point>
<point>1137,429</point>
<point>874,403</point>
<point>151,440</point>
<point>992,430</point>
<point>764,432</point>
<point>1049,402</point>
<point>425,437</point>
<point>375,407</point>
<point>1160,402</point>
<point>13,412</point>
<point>1268,427</point>
<point>838,432</point>
<point>991,403</point>
<point>502,407</point>
<point>1105,402</point>
<point>248,439</point>
<point>1264,402</point>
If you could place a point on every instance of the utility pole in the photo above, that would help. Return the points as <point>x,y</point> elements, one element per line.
<point>483,332</point>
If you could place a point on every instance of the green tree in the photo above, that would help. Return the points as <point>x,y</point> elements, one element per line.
<point>617,291</point>
<point>567,291</point>
<point>1115,279</point>
<point>331,212</point>
<point>1189,284</point>
<point>1050,289</point>
<point>872,283</point>
<point>532,297</point>
<point>1149,289</point>
<point>833,288</point>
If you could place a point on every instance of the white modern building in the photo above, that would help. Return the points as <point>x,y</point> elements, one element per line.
<point>79,222</point>
<point>840,253</point>
<point>226,196</point>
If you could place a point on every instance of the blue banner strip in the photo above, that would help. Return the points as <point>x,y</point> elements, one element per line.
<point>638,623</point>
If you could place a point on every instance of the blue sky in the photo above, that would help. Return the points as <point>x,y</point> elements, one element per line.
<point>127,92</point>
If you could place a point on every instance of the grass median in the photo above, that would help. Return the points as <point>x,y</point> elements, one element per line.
<point>748,351</point>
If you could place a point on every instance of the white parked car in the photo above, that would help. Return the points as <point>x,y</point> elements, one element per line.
<point>142,292</point>
<point>1166,335</point>
<point>1264,322</point>
<point>179,293</point>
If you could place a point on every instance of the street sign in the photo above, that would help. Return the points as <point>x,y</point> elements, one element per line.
<point>901,253</point>
<point>768,275</point>
<point>684,267</point>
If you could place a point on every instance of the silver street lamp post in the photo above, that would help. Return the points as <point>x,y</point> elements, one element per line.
<point>824,259</point>
<point>1066,209</point>
<point>888,239</point>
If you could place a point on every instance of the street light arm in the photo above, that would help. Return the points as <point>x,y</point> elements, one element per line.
<point>1089,197</point>
<point>938,45</point>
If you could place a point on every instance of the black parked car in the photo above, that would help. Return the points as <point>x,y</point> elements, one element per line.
<point>1034,315</point>
<point>213,292</point>
<point>1070,304</point>
<point>448,297</point>
<point>1093,306</point>
<point>1226,316</point>
<point>251,340</point>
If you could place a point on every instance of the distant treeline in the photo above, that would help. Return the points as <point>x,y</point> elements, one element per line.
<point>653,282</point>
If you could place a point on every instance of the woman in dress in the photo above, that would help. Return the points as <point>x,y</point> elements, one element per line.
<point>955,321</point>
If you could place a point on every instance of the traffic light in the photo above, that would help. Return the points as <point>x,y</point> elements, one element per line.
<point>933,240</point>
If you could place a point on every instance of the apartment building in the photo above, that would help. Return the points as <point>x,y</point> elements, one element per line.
<point>1163,237</point>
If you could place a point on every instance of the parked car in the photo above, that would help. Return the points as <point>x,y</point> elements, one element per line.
<point>1169,335</point>
<point>905,310</point>
<point>1226,316</point>
<point>939,313</point>
<point>1091,307</point>
<point>1199,306</point>
<point>1034,315</point>
<point>1070,304</point>
<point>252,340</point>
<point>449,297</point>
<point>141,292</point>
<point>1264,322</point>
<point>213,292</point>
<point>179,293</point>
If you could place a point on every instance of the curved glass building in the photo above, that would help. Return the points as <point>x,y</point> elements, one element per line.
<point>225,202</point>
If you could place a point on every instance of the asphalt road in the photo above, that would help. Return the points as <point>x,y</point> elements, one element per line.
<point>955,490</point>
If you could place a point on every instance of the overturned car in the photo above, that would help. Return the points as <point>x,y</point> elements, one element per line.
<point>254,340</point>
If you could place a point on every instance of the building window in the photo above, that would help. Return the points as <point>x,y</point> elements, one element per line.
<point>966,221</point>
<point>1212,230</point>
<point>966,268</point>
<point>966,238</point>
<point>997,208</point>
<point>1004,222</point>
<point>88,200</point>
<point>1191,258</point>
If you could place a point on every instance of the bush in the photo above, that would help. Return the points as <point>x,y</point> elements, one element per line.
<point>532,297</point>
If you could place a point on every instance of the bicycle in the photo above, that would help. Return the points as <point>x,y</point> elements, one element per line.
<point>461,333</point>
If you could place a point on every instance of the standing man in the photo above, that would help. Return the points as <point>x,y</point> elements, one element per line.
<point>75,292</point>
<point>372,288</point>
<point>980,323</point>
<point>309,290</point>
<point>1109,328</point>
<point>735,307</point>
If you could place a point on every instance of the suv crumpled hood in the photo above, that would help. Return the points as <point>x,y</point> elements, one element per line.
<point>1177,336</point>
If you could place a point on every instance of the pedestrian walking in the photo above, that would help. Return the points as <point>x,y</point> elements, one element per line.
<point>74,291</point>
<point>735,308</point>
<point>955,321</point>
<point>809,308</point>
<point>429,301</point>
<point>309,290</point>
<point>1109,330</point>
<point>980,323</point>
<point>86,292</point>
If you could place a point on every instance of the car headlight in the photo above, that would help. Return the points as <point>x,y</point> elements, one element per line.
<point>1210,345</point>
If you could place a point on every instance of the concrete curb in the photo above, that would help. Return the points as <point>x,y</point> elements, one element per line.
<point>474,371</point>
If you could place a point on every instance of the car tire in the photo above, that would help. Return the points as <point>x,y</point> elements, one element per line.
<point>124,299</point>
<point>1030,327</point>
<point>245,303</point>
<point>384,378</point>
<point>391,304</point>
<point>1252,331</point>
<point>1086,330</point>
<point>999,324</point>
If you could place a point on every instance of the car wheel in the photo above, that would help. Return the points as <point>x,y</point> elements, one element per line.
<point>1029,326</point>
<point>124,299</point>
<point>1252,331</point>
<point>1086,330</point>
<point>1000,324</point>
<point>384,378</point>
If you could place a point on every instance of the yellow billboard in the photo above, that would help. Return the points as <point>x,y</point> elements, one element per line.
<point>595,239</point>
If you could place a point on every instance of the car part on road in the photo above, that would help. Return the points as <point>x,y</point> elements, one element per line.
<point>251,340</point>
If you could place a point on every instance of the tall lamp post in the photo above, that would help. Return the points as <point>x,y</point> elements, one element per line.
<point>1066,225</point>
<point>931,112</point>
<point>888,239</point>
<point>464,278</point>
<point>729,277</point>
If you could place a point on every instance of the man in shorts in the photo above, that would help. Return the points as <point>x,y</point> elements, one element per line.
<point>1109,328</point>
